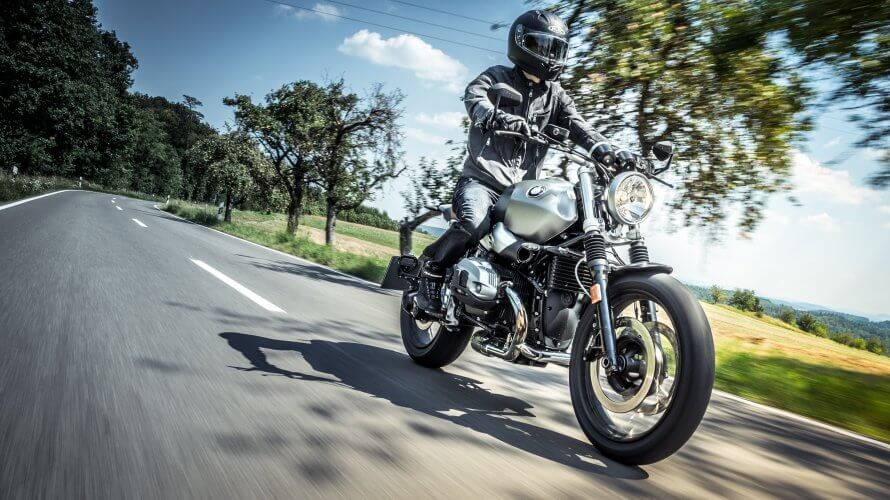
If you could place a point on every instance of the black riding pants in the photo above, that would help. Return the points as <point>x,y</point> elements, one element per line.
<point>472,203</point>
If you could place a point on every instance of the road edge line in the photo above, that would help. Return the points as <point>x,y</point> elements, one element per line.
<point>26,200</point>
<point>761,406</point>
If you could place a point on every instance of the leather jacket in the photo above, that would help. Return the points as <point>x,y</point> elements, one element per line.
<point>499,162</point>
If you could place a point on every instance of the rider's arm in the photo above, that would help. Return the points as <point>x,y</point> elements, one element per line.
<point>476,99</point>
<point>568,117</point>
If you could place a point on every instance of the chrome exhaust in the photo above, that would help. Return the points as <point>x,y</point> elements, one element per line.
<point>555,357</point>
<point>514,340</point>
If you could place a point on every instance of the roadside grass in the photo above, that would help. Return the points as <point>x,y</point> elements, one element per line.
<point>263,229</point>
<point>759,358</point>
<point>851,399</point>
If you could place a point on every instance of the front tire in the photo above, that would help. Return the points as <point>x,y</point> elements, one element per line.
<point>431,344</point>
<point>690,386</point>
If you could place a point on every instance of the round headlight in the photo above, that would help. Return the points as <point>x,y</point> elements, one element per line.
<point>630,197</point>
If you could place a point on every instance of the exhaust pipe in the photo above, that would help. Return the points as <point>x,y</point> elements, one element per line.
<point>557,358</point>
<point>517,338</point>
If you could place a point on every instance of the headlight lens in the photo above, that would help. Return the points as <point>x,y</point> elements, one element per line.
<point>630,197</point>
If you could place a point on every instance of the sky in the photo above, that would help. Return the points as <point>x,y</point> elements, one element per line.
<point>829,249</point>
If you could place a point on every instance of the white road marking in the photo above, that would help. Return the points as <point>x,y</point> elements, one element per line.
<point>26,200</point>
<point>113,200</point>
<point>265,304</point>
<point>118,207</point>
<point>137,221</point>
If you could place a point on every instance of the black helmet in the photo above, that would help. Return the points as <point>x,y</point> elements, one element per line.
<point>538,43</point>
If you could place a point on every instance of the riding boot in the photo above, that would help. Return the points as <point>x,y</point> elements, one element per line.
<point>429,296</point>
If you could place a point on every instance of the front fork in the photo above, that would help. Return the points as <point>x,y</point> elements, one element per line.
<point>595,254</point>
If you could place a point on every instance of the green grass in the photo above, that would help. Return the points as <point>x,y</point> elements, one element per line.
<point>368,268</point>
<point>854,400</point>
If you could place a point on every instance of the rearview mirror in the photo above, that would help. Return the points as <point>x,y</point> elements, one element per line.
<point>556,132</point>
<point>663,150</point>
<point>501,93</point>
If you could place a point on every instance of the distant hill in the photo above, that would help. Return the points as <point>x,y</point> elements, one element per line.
<point>837,322</point>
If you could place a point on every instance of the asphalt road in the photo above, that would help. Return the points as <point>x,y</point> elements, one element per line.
<point>128,369</point>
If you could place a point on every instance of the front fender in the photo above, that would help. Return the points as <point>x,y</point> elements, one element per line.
<point>639,268</point>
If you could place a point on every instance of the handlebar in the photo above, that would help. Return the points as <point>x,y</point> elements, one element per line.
<point>577,156</point>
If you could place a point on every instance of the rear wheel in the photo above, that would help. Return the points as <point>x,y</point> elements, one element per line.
<point>429,343</point>
<point>652,404</point>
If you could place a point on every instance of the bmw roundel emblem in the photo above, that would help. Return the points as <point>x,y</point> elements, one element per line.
<point>535,191</point>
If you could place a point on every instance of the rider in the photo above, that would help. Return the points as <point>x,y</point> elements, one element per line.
<point>537,44</point>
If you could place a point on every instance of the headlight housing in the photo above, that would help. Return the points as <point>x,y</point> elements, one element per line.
<point>630,197</point>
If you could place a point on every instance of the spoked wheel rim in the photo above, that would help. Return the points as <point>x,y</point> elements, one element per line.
<point>632,402</point>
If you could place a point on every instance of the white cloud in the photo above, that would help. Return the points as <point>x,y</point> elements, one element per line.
<point>408,52</point>
<point>884,209</point>
<point>323,11</point>
<point>822,221</point>
<point>448,119</point>
<point>834,185</point>
<point>833,142</point>
<point>425,137</point>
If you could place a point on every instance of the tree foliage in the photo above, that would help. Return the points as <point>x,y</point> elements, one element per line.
<point>716,295</point>
<point>648,70</point>
<point>231,161</point>
<point>745,300</point>
<point>850,38</point>
<point>290,126</point>
<point>361,141</point>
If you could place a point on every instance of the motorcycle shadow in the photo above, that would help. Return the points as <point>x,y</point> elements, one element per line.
<point>391,376</point>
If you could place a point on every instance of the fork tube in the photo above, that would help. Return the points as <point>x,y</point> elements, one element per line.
<point>595,253</point>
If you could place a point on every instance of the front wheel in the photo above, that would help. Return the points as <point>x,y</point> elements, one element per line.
<point>648,407</point>
<point>429,343</point>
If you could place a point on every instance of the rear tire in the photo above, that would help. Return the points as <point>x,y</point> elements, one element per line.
<point>695,375</point>
<point>444,347</point>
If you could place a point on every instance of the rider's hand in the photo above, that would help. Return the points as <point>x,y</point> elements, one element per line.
<point>510,123</point>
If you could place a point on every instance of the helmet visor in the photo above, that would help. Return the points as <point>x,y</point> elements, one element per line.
<point>550,48</point>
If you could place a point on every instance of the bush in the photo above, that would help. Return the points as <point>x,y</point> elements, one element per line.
<point>859,343</point>
<point>787,315</point>
<point>807,322</point>
<point>874,345</point>
<point>845,338</point>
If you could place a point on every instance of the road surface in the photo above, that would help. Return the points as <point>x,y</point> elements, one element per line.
<point>143,356</point>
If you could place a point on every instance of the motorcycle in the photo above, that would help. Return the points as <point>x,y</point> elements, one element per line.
<point>549,285</point>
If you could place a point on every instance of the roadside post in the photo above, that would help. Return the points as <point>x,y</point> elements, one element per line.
<point>15,172</point>
<point>219,211</point>
<point>167,203</point>
<point>79,182</point>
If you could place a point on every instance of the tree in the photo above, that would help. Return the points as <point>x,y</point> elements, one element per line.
<point>647,70</point>
<point>717,295</point>
<point>787,315</point>
<point>63,90</point>
<point>290,126</point>
<point>232,161</point>
<point>361,148</point>
<point>874,345</point>
<point>858,343</point>
<point>745,300</point>
<point>807,322</point>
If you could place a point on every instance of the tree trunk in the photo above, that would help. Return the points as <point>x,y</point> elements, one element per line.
<point>295,209</point>
<point>407,227</point>
<point>228,213</point>
<point>330,224</point>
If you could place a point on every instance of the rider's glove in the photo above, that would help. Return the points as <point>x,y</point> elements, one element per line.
<point>510,123</point>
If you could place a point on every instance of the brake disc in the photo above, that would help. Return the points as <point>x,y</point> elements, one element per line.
<point>607,395</point>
